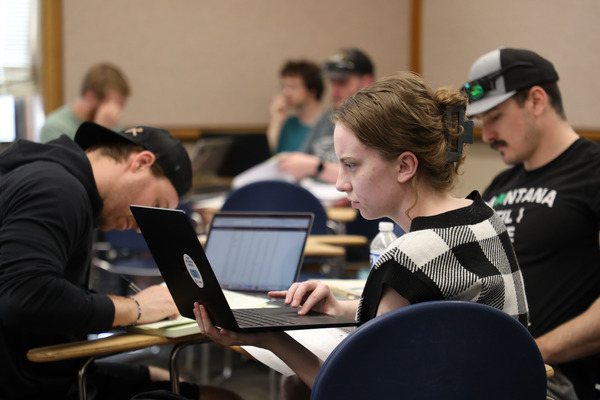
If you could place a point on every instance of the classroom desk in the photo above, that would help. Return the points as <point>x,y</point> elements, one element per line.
<point>93,349</point>
<point>102,347</point>
<point>118,343</point>
<point>341,214</point>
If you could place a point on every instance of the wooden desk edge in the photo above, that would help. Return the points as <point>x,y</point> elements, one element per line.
<point>341,240</point>
<point>98,347</point>
<point>341,214</point>
<point>315,248</point>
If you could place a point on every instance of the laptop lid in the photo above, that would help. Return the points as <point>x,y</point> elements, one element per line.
<point>209,154</point>
<point>257,251</point>
<point>247,149</point>
<point>190,278</point>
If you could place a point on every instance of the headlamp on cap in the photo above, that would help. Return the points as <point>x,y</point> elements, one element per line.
<point>476,89</point>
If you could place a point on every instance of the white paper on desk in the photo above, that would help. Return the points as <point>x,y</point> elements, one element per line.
<point>267,170</point>
<point>243,300</point>
<point>215,202</point>
<point>320,342</point>
<point>325,192</point>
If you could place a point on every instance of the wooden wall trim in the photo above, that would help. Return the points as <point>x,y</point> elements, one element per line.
<point>415,36</point>
<point>592,135</point>
<point>51,40</point>
<point>193,133</point>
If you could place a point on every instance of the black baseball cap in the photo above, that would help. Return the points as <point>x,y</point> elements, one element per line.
<point>346,62</point>
<point>499,74</point>
<point>170,153</point>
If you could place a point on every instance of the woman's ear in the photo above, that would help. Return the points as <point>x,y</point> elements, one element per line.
<point>407,164</point>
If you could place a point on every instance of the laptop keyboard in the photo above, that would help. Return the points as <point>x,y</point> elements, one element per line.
<point>248,317</point>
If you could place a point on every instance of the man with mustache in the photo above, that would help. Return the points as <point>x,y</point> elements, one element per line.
<point>550,201</point>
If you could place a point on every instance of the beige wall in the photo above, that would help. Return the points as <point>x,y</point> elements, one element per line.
<point>213,62</point>
<point>456,32</point>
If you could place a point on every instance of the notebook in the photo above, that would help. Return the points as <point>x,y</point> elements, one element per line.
<point>257,252</point>
<point>190,278</point>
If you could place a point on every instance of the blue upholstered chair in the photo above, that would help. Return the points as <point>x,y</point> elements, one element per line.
<point>281,196</point>
<point>436,350</point>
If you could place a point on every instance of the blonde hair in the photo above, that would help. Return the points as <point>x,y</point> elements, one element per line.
<point>399,113</point>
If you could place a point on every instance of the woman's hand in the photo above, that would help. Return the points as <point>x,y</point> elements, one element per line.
<point>224,336</point>
<point>309,295</point>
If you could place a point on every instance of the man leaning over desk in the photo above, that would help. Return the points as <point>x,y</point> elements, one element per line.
<point>52,197</point>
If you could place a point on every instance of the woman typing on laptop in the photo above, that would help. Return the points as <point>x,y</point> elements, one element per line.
<point>400,145</point>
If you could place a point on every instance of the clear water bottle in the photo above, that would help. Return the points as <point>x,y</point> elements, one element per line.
<point>382,240</point>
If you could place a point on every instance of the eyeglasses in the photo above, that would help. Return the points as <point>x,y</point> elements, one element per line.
<point>478,88</point>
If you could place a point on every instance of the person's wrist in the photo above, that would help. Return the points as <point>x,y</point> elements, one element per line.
<point>139,310</point>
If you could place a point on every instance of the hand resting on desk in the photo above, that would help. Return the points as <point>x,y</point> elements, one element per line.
<point>155,303</point>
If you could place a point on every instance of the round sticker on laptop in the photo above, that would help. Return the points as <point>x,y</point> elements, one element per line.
<point>193,270</point>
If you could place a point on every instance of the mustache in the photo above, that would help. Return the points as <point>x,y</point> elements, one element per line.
<point>494,144</point>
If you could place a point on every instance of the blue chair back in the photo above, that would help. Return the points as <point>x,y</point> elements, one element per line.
<point>130,251</point>
<point>435,350</point>
<point>282,196</point>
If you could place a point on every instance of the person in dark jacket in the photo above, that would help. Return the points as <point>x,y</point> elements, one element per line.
<point>52,198</point>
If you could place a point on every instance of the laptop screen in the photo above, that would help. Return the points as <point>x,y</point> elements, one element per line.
<point>257,251</point>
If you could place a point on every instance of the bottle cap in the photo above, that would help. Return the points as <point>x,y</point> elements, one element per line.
<point>386,226</point>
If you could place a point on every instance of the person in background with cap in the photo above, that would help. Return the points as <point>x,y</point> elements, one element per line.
<point>348,71</point>
<point>550,201</point>
<point>102,97</point>
<point>54,195</point>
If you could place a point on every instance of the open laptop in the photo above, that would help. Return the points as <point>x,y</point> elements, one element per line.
<point>257,252</point>
<point>208,157</point>
<point>247,149</point>
<point>190,277</point>
<point>209,154</point>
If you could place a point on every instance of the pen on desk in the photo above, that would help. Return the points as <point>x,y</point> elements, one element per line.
<point>132,285</point>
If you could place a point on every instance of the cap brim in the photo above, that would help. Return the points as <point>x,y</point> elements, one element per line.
<point>486,104</point>
<point>89,133</point>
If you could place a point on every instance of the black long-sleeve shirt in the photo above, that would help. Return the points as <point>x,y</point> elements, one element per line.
<point>49,207</point>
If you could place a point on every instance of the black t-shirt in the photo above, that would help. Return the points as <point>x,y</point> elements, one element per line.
<point>553,217</point>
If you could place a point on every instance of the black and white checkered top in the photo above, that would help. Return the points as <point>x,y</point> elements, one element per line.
<point>464,254</point>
